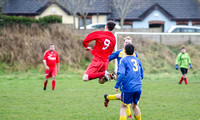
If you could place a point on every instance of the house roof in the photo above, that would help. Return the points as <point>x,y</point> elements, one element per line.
<point>21,7</point>
<point>173,9</point>
<point>36,7</point>
<point>101,7</point>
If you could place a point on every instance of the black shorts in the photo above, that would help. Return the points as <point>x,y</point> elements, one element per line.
<point>184,70</point>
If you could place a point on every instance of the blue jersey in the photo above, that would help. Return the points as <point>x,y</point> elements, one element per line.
<point>119,54</point>
<point>130,74</point>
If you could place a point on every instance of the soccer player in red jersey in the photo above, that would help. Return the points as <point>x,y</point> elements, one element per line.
<point>51,60</point>
<point>104,46</point>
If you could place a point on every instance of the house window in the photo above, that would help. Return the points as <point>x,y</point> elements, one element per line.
<point>181,22</point>
<point>128,25</point>
<point>196,23</point>
<point>157,24</point>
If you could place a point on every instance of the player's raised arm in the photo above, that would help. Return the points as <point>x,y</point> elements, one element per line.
<point>92,36</point>
<point>114,55</point>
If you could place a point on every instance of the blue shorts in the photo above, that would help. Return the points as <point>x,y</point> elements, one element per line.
<point>130,97</point>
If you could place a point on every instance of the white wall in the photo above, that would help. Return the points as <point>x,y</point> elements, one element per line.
<point>155,15</point>
<point>99,19</point>
<point>56,10</point>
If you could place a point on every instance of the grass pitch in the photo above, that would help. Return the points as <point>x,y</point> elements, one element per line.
<point>22,98</point>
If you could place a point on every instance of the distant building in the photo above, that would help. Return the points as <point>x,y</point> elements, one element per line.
<point>1,4</point>
<point>37,9</point>
<point>162,13</point>
<point>154,13</point>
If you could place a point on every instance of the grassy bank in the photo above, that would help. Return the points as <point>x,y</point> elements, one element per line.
<point>22,49</point>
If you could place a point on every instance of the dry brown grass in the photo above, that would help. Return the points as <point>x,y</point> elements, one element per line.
<point>22,47</point>
<point>25,46</point>
<point>157,57</point>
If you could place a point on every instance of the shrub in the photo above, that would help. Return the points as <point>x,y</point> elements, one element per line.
<point>12,20</point>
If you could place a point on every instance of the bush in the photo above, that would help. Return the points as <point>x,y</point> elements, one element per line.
<point>11,20</point>
<point>49,19</point>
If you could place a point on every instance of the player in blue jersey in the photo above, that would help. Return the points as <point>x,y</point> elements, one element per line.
<point>130,75</point>
<point>118,55</point>
<point>121,53</point>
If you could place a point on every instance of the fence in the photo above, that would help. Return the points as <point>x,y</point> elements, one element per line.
<point>163,38</point>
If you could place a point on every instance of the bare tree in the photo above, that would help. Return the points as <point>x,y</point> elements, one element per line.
<point>69,5</point>
<point>123,7</point>
<point>1,5</point>
<point>80,7</point>
<point>83,7</point>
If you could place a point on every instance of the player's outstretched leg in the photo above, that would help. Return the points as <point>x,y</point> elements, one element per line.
<point>45,84</point>
<point>106,100</point>
<point>113,75</point>
<point>111,97</point>
<point>107,76</point>
<point>102,80</point>
<point>87,77</point>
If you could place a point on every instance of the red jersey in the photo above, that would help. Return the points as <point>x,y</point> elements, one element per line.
<point>51,58</point>
<point>105,43</point>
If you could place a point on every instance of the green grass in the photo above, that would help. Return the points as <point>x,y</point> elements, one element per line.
<point>22,98</point>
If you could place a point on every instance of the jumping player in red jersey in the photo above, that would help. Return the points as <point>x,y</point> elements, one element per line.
<point>104,46</point>
<point>51,60</point>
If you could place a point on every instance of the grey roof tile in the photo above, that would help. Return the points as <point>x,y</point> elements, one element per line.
<point>176,8</point>
<point>23,6</point>
<point>32,6</point>
<point>101,6</point>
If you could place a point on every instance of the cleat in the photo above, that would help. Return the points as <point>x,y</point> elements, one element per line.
<point>106,100</point>
<point>102,80</point>
<point>179,83</point>
<point>130,117</point>
<point>113,75</point>
<point>44,88</point>
<point>107,76</point>
<point>52,89</point>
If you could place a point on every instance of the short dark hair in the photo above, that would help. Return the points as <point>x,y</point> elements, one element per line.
<point>129,48</point>
<point>182,48</point>
<point>110,25</point>
<point>51,44</point>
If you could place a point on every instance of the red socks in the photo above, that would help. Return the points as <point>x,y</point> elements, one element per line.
<point>53,84</point>
<point>96,75</point>
<point>181,80</point>
<point>45,84</point>
<point>186,81</point>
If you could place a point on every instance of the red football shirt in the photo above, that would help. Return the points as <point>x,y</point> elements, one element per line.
<point>105,43</point>
<point>51,58</point>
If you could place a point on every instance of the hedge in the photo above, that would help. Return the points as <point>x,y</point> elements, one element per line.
<point>10,20</point>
